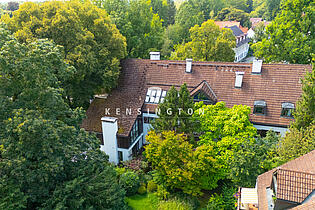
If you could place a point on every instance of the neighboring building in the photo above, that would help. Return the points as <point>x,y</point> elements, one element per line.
<point>255,22</point>
<point>240,34</point>
<point>289,186</point>
<point>271,90</point>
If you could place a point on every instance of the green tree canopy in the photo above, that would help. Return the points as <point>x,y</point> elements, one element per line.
<point>47,161</point>
<point>181,166</point>
<point>226,129</point>
<point>209,43</point>
<point>136,20</point>
<point>289,40</point>
<point>232,14</point>
<point>92,44</point>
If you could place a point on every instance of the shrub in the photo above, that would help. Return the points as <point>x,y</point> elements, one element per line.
<point>162,192</point>
<point>130,182</point>
<point>152,186</point>
<point>120,171</point>
<point>215,202</point>
<point>174,204</point>
<point>224,201</point>
<point>142,189</point>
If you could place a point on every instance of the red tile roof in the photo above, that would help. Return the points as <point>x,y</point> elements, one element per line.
<point>223,24</point>
<point>276,84</point>
<point>294,186</point>
<point>304,164</point>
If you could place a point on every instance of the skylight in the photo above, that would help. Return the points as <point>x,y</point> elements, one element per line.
<point>155,95</point>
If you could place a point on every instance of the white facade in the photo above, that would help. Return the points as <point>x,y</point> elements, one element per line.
<point>241,52</point>
<point>110,128</point>
<point>250,33</point>
<point>127,153</point>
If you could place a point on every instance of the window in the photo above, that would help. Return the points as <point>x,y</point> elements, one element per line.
<point>148,120</point>
<point>201,96</point>
<point>120,156</point>
<point>155,95</point>
<point>260,107</point>
<point>287,110</point>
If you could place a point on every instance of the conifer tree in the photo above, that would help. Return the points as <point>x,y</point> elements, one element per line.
<point>175,112</point>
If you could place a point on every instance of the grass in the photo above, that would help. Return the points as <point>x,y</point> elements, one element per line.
<point>143,202</point>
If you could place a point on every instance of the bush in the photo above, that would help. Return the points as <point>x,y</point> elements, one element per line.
<point>142,189</point>
<point>224,201</point>
<point>174,204</point>
<point>152,186</point>
<point>120,171</point>
<point>130,182</point>
<point>162,192</point>
<point>215,202</point>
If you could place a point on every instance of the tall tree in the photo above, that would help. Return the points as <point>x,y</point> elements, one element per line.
<point>289,40</point>
<point>175,112</point>
<point>47,161</point>
<point>300,139</point>
<point>226,129</point>
<point>92,44</point>
<point>136,20</point>
<point>209,43</point>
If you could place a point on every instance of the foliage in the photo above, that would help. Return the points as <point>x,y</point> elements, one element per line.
<point>209,43</point>
<point>162,192</point>
<point>12,6</point>
<point>253,159</point>
<point>136,20</point>
<point>174,204</point>
<point>289,40</point>
<point>232,14</point>
<point>305,110</point>
<point>142,189</point>
<point>272,7</point>
<point>165,9</point>
<point>297,142</point>
<point>57,162</point>
<point>225,200</point>
<point>226,129</point>
<point>152,186</point>
<point>130,182</point>
<point>92,44</point>
<point>175,112</point>
<point>260,32</point>
<point>238,4</point>
<point>180,165</point>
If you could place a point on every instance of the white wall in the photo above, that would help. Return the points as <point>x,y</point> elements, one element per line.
<point>110,128</point>
<point>241,52</point>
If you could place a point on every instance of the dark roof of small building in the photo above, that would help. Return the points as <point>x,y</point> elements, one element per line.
<point>277,83</point>
<point>236,31</point>
<point>302,167</point>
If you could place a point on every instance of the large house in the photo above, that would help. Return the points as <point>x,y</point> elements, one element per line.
<point>122,119</point>
<point>241,39</point>
<point>289,186</point>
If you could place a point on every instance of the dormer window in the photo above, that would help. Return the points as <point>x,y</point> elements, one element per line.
<point>287,110</point>
<point>260,108</point>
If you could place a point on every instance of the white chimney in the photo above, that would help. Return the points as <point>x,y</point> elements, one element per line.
<point>155,56</point>
<point>256,68</point>
<point>239,79</point>
<point>110,128</point>
<point>188,65</point>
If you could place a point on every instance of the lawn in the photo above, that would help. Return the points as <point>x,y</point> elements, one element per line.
<point>143,202</point>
